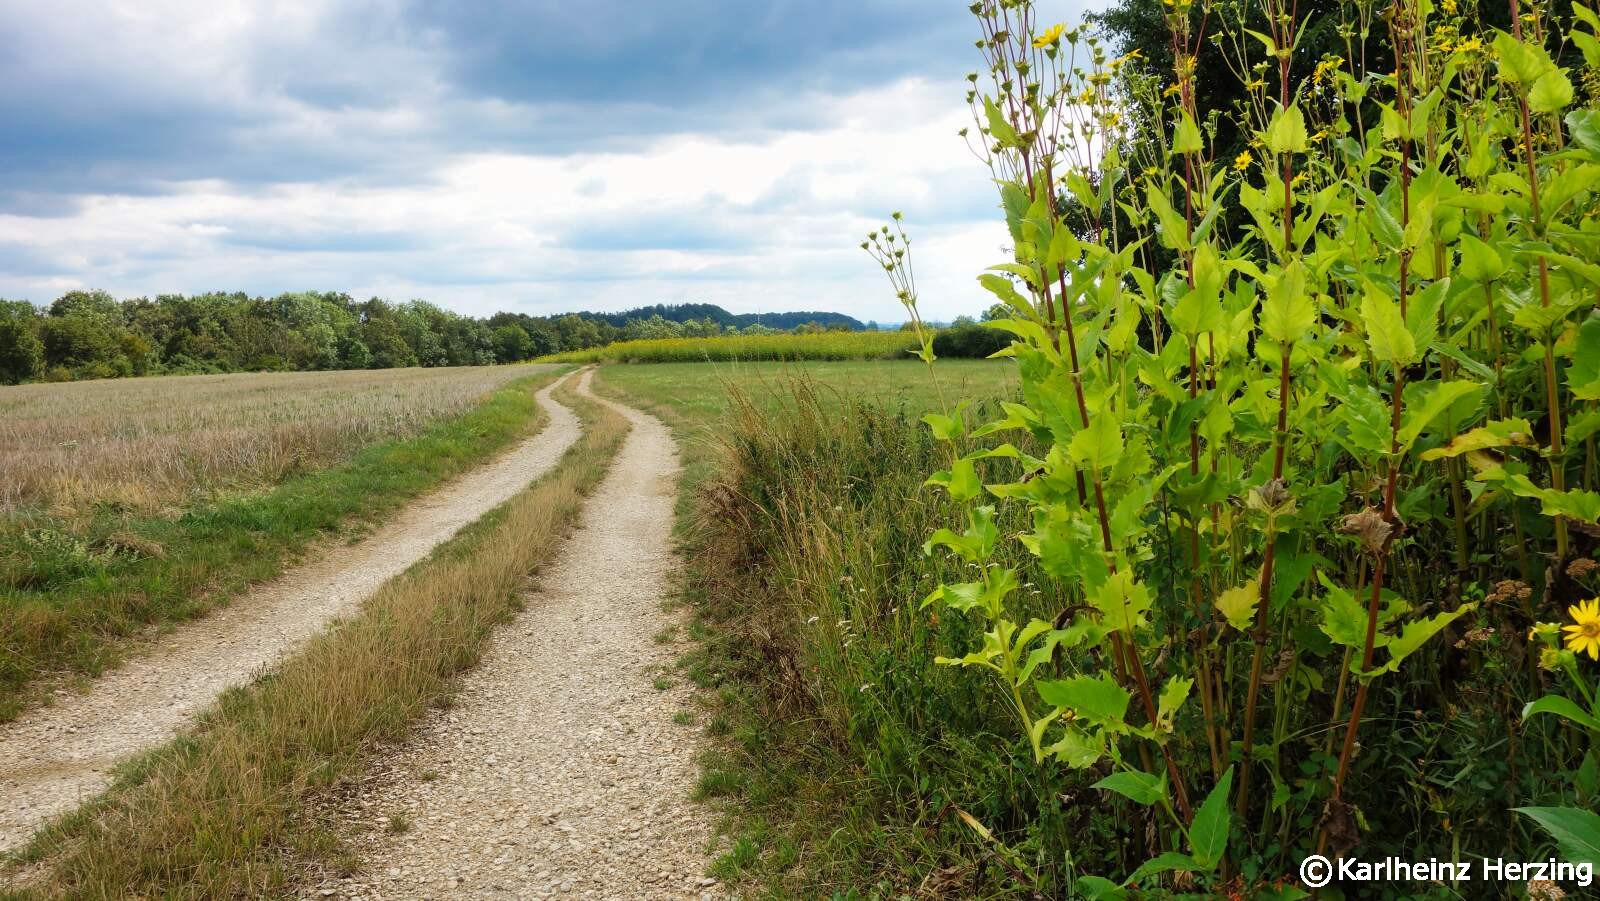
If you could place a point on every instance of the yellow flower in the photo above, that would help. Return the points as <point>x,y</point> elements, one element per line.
<point>1469,45</point>
<point>1255,85</point>
<point>1242,161</point>
<point>1584,636</point>
<point>1049,37</point>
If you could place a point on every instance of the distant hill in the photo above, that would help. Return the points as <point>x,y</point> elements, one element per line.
<point>683,312</point>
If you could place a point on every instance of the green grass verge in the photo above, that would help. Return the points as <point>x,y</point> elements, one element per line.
<point>227,810</point>
<point>69,604</point>
<point>837,740</point>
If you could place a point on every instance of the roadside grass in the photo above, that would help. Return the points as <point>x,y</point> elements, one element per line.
<point>841,748</point>
<point>747,348</point>
<point>221,812</point>
<point>72,593</point>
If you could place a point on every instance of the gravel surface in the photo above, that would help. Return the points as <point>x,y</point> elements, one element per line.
<point>53,758</point>
<point>558,770</point>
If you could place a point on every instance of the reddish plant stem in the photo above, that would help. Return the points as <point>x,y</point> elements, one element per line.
<point>1381,555</point>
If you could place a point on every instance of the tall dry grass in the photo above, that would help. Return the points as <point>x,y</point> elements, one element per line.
<point>154,442</point>
<point>221,813</point>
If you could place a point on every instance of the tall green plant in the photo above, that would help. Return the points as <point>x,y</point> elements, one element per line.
<point>1231,466</point>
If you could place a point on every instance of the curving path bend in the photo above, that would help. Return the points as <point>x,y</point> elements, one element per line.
<point>54,758</point>
<point>560,769</point>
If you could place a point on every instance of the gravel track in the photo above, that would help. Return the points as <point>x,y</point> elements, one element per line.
<point>558,769</point>
<point>53,758</point>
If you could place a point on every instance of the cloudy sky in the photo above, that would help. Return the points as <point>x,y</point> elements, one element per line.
<point>536,155</point>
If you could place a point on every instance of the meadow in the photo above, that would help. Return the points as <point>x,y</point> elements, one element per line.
<point>132,512</point>
<point>166,442</point>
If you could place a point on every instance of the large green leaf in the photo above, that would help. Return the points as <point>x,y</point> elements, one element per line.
<point>1415,634</point>
<point>1583,375</point>
<point>1387,335</point>
<point>1122,601</point>
<point>1556,705</point>
<point>1577,832</point>
<point>1165,862</point>
<point>1099,446</point>
<point>1286,133</point>
<point>1496,433</point>
<point>1479,261</point>
<point>1551,93</point>
<point>1208,833</point>
<point>1238,605</point>
<point>1097,699</point>
<point>1288,313</point>
<point>1138,787</point>
<point>1434,399</point>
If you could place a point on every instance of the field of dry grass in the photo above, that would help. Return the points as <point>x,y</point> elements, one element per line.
<point>153,443</point>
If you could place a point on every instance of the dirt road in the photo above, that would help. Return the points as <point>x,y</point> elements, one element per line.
<point>558,770</point>
<point>53,758</point>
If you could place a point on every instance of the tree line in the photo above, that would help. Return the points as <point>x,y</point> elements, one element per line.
<point>90,334</point>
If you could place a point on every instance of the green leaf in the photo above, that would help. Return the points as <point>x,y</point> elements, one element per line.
<point>1238,605</point>
<point>1583,375</point>
<point>1422,313</point>
<point>1556,705</point>
<point>1520,63</point>
<point>1286,133</point>
<point>1171,699</point>
<point>1551,93</point>
<point>1139,787</point>
<point>1099,446</point>
<point>1097,699</point>
<point>1387,335</point>
<point>1439,397</point>
<point>1344,619</point>
<point>1165,862</point>
<point>961,480</point>
<point>1584,126</point>
<point>1077,748</point>
<point>1288,313</point>
<point>1186,136</point>
<point>1416,634</point>
<point>1577,832</point>
<point>1174,229</point>
<point>999,128</point>
<point>1479,261</point>
<point>1208,834</point>
<point>1096,888</point>
<point>1122,602</point>
<point>1496,433</point>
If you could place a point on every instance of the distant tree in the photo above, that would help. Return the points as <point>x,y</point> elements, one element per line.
<point>512,344</point>
<point>388,346</point>
<point>78,339</point>
<point>21,352</point>
<point>97,303</point>
<point>542,339</point>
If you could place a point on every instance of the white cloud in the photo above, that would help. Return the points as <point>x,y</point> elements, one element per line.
<point>781,213</point>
